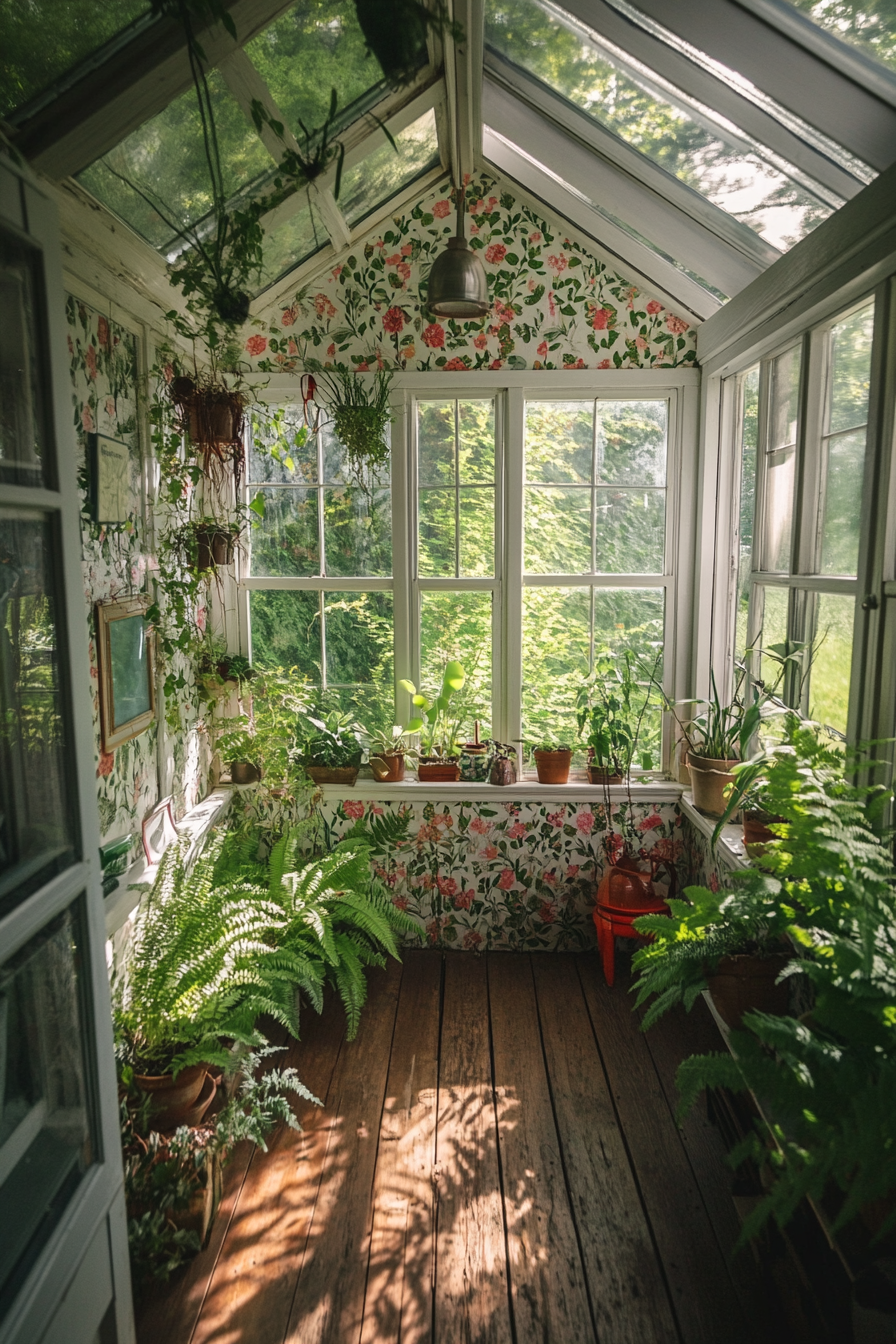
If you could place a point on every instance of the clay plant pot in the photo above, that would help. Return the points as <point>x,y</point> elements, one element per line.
<point>327,774</point>
<point>709,780</point>
<point>598,775</point>
<point>438,772</point>
<point>756,831</point>
<point>388,769</point>
<point>245,772</point>
<point>553,766</point>
<point>745,984</point>
<point>172,1099</point>
<point>199,1215</point>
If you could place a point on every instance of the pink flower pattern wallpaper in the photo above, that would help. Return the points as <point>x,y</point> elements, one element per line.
<point>517,876</point>
<point>554,305</point>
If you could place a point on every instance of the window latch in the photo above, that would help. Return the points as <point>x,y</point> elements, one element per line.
<point>870,602</point>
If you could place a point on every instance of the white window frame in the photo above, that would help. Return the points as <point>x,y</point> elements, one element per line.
<point>511,389</point>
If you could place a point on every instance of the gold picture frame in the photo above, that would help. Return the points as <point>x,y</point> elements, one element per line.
<point>124,644</point>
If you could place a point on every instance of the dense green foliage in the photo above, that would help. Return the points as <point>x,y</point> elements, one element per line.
<point>827,1081</point>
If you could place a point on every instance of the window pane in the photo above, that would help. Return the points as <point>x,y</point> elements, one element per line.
<point>558,627</point>
<point>337,465</point>
<point>631,442</point>
<point>358,532</point>
<point>476,442</point>
<point>632,620</point>
<point>294,241</point>
<point>869,27</point>
<point>46,1137</point>
<point>851,370</point>
<point>779,483</point>
<point>283,432</point>
<point>286,542</point>
<point>437,557</point>
<point>830,675</point>
<point>630,531</point>
<point>749,445</point>
<point>559,441</point>
<point>435,443</point>
<point>477,532</point>
<point>459,626</point>
<point>23,430</point>
<point>359,642</point>
<point>773,608</point>
<point>285,630</point>
<point>165,158</point>
<point>37,827</point>
<point>843,504</point>
<point>784,399</point>
<point>383,172</point>
<point>558,530</point>
<point>660,122</point>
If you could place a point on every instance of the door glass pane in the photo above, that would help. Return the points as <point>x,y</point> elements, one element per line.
<point>749,446</point>
<point>561,629</point>
<point>830,675</point>
<point>459,626</point>
<point>37,832</point>
<point>46,1139</point>
<point>23,427</point>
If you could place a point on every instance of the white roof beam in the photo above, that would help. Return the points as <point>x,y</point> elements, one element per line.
<point>599,179</point>
<point>821,94</point>
<point>632,259</point>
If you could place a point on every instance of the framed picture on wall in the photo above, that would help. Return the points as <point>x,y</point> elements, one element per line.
<point>126,674</point>
<point>110,479</point>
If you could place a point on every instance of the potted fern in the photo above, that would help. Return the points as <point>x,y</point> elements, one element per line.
<point>331,748</point>
<point>439,729</point>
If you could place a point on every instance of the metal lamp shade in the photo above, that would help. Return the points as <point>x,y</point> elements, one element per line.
<point>457,283</point>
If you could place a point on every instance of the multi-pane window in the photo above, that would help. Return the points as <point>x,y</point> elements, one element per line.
<point>320,585</point>
<point>457,578</point>
<point>594,551</point>
<point>804,419</point>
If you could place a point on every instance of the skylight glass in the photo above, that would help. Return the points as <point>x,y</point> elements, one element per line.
<point>689,141</point>
<point>869,25</point>
<point>165,160</point>
<point>288,244</point>
<point>383,172</point>
<point>42,40</point>
<point>314,47</point>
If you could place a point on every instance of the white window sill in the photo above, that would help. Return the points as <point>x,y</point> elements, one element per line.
<point>730,848</point>
<point>526,790</point>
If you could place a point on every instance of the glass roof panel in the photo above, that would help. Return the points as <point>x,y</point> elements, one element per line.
<point>314,47</point>
<point>288,244</point>
<point>383,172</point>
<point>869,25</point>
<point>165,159</point>
<point>706,153</point>
<point>42,40</point>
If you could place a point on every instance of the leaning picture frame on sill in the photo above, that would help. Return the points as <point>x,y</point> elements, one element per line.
<point>126,670</point>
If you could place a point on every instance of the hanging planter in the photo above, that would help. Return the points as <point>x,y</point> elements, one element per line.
<point>360,414</point>
<point>212,416</point>
<point>208,545</point>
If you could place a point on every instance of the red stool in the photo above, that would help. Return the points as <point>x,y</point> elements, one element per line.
<point>624,894</point>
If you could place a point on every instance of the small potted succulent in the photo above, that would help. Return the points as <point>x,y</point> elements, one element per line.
<point>439,730</point>
<point>331,749</point>
<point>388,751</point>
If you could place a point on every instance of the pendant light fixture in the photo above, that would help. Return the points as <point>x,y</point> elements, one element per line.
<point>457,284</point>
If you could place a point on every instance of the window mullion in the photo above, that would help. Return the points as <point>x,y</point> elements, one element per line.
<point>512,568</point>
<point>810,450</point>
<point>405,632</point>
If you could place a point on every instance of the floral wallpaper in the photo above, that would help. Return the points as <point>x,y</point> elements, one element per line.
<point>103,365</point>
<point>517,876</point>
<point>554,305</point>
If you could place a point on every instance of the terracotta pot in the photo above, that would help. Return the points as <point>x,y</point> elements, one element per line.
<point>438,772</point>
<point>756,831</point>
<point>388,769</point>
<point>709,780</point>
<point>245,772</point>
<point>553,766</point>
<point>598,775</point>
<point>173,1098</point>
<point>744,984</point>
<point>325,774</point>
<point>199,1215</point>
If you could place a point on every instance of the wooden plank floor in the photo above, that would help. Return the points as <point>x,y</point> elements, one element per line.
<point>496,1162</point>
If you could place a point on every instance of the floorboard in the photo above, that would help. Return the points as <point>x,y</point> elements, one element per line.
<point>547,1279</point>
<point>471,1295</point>
<point>628,1291</point>
<point>497,1162</point>
<point>399,1296</point>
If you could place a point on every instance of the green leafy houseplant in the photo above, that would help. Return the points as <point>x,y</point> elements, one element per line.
<point>439,730</point>
<point>330,743</point>
<point>361,414</point>
<point>269,736</point>
<point>611,705</point>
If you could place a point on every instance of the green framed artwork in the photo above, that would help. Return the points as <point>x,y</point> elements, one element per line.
<point>126,675</point>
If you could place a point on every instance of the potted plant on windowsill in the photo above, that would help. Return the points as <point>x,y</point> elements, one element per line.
<point>552,762</point>
<point>331,749</point>
<point>219,672</point>
<point>439,760</point>
<point>388,752</point>
<point>608,708</point>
